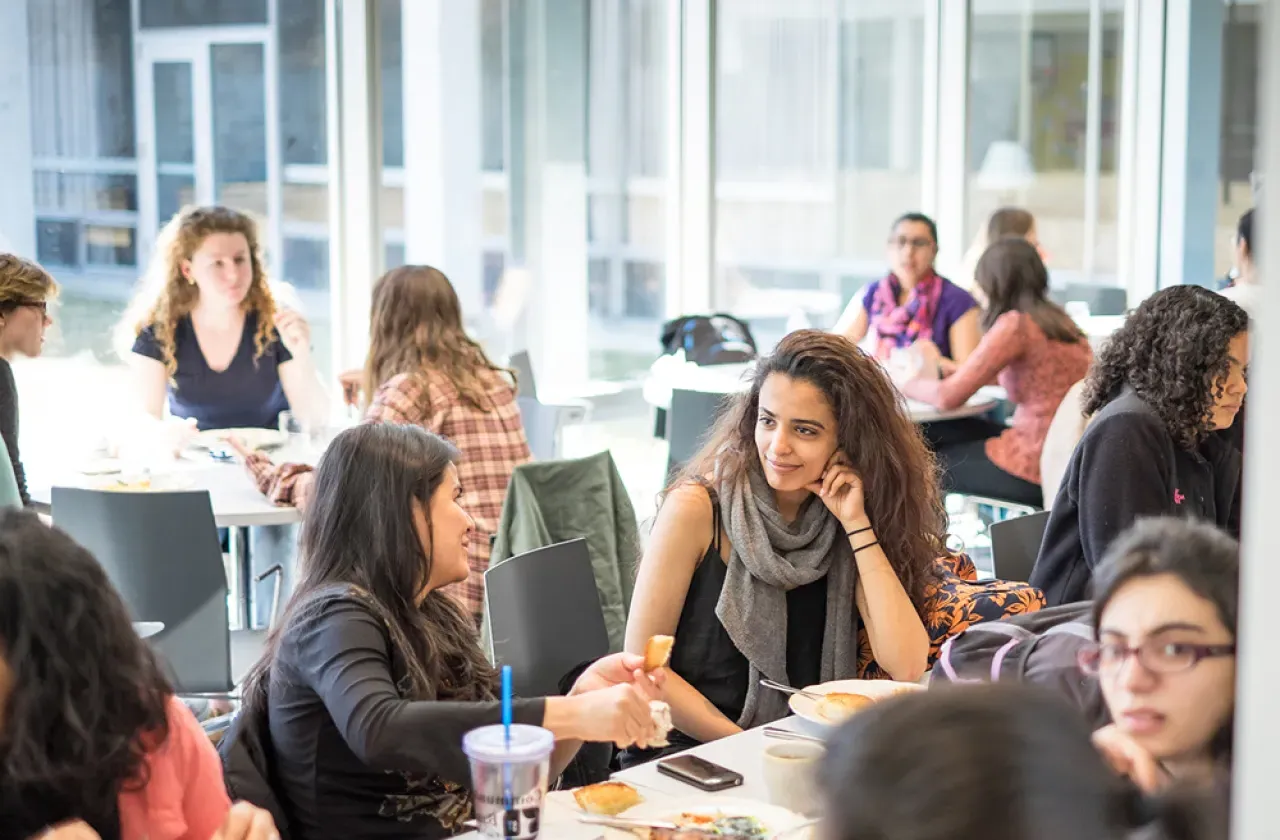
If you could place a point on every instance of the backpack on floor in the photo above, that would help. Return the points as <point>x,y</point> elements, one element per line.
<point>1039,647</point>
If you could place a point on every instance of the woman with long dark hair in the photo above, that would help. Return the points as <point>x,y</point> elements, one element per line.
<point>423,369</point>
<point>1165,388</point>
<point>374,674</point>
<point>1165,614</point>
<point>93,743</point>
<point>1034,350</point>
<point>811,512</point>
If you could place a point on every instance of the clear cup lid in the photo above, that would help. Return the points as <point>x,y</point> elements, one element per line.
<point>489,743</point>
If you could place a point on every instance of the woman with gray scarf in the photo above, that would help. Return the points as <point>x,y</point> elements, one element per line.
<point>811,513</point>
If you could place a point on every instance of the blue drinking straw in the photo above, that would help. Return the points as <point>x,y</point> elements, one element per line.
<point>506,728</point>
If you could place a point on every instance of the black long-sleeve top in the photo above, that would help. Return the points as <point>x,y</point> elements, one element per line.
<point>9,426</point>
<point>1128,466</point>
<point>353,758</point>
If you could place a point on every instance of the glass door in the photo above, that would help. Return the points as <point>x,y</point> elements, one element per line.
<point>203,128</point>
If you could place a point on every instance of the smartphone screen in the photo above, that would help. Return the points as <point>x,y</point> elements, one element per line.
<point>699,772</point>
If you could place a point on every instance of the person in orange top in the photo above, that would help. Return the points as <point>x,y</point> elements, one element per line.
<point>1034,350</point>
<point>423,369</point>
<point>93,744</point>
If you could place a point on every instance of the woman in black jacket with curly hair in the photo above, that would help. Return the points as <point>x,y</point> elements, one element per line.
<point>1162,391</point>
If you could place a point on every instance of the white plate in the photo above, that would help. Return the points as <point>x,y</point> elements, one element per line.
<point>135,483</point>
<point>252,438</point>
<point>875,689</point>
<point>772,817</point>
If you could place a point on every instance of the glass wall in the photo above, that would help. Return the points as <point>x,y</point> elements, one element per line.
<point>579,125</point>
<point>819,115</point>
<point>1044,114</point>
<point>131,120</point>
<point>1238,171</point>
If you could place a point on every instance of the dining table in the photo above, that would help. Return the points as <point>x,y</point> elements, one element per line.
<point>234,497</point>
<point>743,752</point>
<point>670,373</point>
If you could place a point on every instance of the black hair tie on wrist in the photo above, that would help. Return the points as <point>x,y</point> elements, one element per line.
<point>859,531</point>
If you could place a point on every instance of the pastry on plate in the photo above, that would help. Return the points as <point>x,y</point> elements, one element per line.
<point>839,706</point>
<point>607,799</point>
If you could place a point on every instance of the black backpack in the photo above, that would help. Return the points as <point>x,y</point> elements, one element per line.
<point>1039,647</point>
<point>709,339</point>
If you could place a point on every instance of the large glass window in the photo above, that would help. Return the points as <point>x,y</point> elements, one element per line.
<point>819,109</point>
<point>1044,113</point>
<point>608,168</point>
<point>1237,172</point>
<point>97,76</point>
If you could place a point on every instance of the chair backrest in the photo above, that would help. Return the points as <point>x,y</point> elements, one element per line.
<point>544,616</point>
<point>1102,300</point>
<point>689,421</point>
<point>1015,543</point>
<point>526,385</point>
<point>9,495</point>
<point>1065,430</point>
<point>541,427</point>
<point>161,551</point>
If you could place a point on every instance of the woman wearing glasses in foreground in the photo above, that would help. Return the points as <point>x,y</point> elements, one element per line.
<point>1165,618</point>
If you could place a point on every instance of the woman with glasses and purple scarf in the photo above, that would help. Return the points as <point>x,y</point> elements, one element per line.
<point>1164,613</point>
<point>914,306</point>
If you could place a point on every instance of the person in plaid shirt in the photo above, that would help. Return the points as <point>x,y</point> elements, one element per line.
<point>424,370</point>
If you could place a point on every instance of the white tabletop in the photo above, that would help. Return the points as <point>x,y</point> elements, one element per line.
<point>729,379</point>
<point>234,496</point>
<point>742,752</point>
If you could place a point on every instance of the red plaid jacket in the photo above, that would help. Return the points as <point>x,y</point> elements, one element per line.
<point>492,444</point>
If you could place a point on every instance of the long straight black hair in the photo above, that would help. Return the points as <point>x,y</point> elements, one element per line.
<point>1013,278</point>
<point>359,538</point>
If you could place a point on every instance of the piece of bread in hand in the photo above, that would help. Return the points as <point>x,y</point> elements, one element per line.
<point>660,714</point>
<point>839,706</point>
<point>606,799</point>
<point>657,652</point>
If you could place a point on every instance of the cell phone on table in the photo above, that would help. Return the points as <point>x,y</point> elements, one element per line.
<point>699,772</point>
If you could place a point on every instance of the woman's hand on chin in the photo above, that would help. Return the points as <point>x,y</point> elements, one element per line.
<point>1128,758</point>
<point>840,489</point>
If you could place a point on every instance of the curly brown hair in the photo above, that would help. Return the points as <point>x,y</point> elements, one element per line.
<point>1173,352</point>
<point>416,325</point>
<point>89,698</point>
<point>884,446</point>
<point>166,296</point>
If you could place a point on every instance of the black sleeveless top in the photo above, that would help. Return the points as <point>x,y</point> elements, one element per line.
<point>706,657</point>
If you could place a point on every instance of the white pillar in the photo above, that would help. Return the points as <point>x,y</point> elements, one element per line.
<point>1257,753</point>
<point>691,170</point>
<point>355,172</point>
<point>953,154</point>
<point>18,210</point>
<point>442,129</point>
<point>547,170</point>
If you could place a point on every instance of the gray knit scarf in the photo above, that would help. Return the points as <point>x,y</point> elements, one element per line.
<point>769,558</point>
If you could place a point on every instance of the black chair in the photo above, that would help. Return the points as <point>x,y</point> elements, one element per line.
<point>161,551</point>
<point>1015,544</point>
<point>544,616</point>
<point>1102,300</point>
<point>689,421</point>
<point>526,385</point>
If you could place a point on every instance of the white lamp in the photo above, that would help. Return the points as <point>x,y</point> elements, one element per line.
<point>1006,168</point>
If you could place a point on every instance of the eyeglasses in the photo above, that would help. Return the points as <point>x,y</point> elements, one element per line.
<point>1157,657</point>
<point>42,306</point>
<point>903,242</point>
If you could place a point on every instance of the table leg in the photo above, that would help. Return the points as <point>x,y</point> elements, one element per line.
<point>241,583</point>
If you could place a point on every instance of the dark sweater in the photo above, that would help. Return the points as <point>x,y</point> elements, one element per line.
<point>9,426</point>
<point>353,757</point>
<point>1127,466</point>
